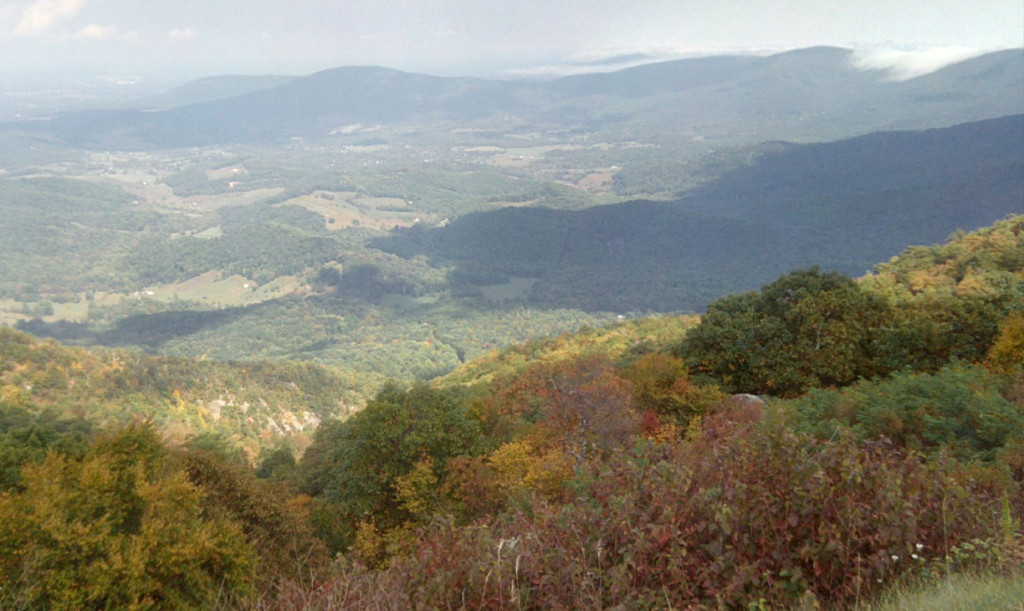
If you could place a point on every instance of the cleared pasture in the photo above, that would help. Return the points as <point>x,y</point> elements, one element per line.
<point>347,209</point>
<point>216,289</point>
<point>228,172</point>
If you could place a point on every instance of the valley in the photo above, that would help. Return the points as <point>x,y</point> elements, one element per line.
<point>476,210</point>
<point>715,332</point>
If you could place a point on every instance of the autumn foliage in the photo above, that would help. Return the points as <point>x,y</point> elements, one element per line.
<point>608,470</point>
<point>759,515</point>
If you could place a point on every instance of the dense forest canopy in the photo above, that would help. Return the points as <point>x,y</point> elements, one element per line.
<point>606,467</point>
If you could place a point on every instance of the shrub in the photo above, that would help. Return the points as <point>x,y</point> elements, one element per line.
<point>960,408</point>
<point>805,330</point>
<point>375,463</point>
<point>752,515</point>
<point>120,528</point>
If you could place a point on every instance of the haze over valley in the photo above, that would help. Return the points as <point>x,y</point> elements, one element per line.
<point>399,224</point>
<point>363,302</point>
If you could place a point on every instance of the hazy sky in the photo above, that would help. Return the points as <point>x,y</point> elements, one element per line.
<point>472,36</point>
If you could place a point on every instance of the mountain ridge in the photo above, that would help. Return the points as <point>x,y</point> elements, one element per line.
<point>790,95</point>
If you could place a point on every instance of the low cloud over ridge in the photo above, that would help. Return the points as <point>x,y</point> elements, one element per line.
<point>903,64</point>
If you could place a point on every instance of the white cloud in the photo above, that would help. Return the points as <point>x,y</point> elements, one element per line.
<point>41,15</point>
<point>178,34</point>
<point>620,58</point>
<point>95,31</point>
<point>903,64</point>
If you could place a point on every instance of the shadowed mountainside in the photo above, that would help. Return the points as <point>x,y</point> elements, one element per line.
<point>846,205</point>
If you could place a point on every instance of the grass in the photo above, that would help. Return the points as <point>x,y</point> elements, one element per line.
<point>209,234</point>
<point>341,210</point>
<point>232,171</point>
<point>215,288</point>
<point>10,312</point>
<point>231,198</point>
<point>963,592</point>
<point>74,312</point>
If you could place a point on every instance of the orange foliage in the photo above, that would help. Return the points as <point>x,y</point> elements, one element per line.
<point>1008,349</point>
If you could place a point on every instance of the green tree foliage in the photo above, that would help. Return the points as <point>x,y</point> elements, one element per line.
<point>986,262</point>
<point>931,330</point>
<point>806,329</point>
<point>27,438</point>
<point>365,461</point>
<point>277,464</point>
<point>959,408</point>
<point>277,530</point>
<point>62,234</point>
<point>950,300</point>
<point>619,341</point>
<point>120,528</point>
<point>260,252</point>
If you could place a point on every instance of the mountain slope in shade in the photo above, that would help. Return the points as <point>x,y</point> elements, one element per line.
<point>854,199</point>
<point>846,205</point>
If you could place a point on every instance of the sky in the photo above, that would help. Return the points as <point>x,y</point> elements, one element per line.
<point>478,37</point>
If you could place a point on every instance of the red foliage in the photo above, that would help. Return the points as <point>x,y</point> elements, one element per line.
<point>755,515</point>
<point>650,424</point>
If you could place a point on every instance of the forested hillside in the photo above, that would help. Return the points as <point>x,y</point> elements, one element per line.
<point>247,406</point>
<point>613,467</point>
<point>844,205</point>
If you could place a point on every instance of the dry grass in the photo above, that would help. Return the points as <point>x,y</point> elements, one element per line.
<point>344,209</point>
<point>214,288</point>
<point>956,593</point>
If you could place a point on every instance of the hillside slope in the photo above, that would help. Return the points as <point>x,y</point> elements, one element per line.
<point>845,205</point>
<point>253,405</point>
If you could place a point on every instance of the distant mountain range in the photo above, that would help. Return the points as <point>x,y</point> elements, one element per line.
<point>810,94</point>
<point>845,205</point>
<point>213,88</point>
